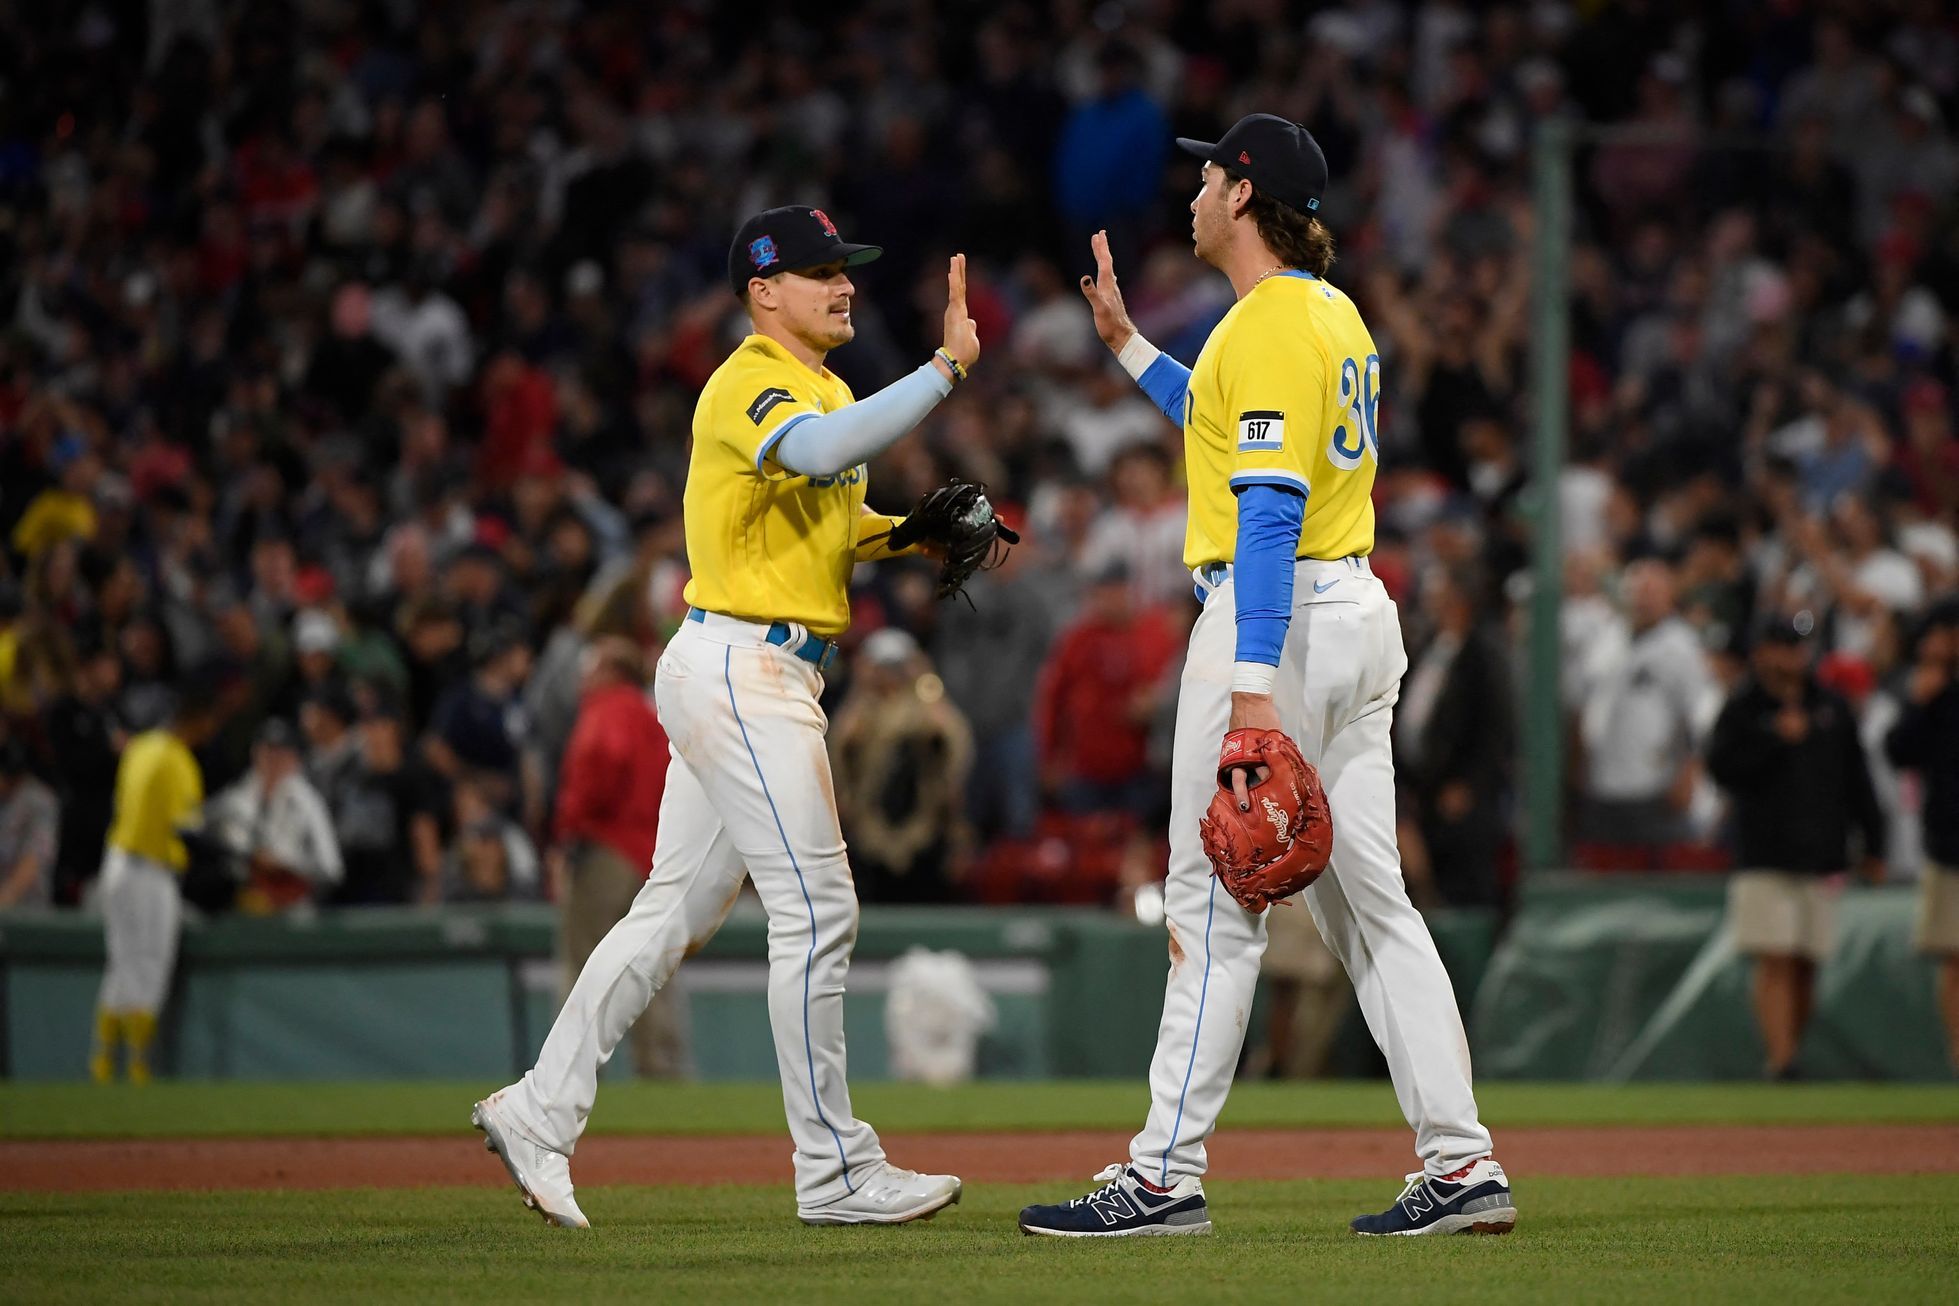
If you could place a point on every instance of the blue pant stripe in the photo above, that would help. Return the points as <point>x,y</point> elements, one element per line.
<point>809,1057</point>
<point>1203,992</point>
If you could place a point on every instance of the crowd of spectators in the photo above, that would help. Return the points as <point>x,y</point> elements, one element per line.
<point>350,347</point>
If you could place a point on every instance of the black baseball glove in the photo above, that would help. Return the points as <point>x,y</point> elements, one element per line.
<point>957,520</point>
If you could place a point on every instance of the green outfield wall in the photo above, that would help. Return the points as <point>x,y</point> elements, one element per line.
<point>1590,980</point>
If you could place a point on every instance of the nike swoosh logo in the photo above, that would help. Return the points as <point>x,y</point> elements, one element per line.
<point>1321,589</point>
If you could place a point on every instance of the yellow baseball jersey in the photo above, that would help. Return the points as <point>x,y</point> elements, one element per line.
<point>1285,392</point>
<point>765,543</point>
<point>158,791</point>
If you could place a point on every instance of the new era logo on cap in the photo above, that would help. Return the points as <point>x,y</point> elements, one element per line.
<point>1244,156</point>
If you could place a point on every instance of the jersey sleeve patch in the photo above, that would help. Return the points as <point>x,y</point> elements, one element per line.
<point>1261,430</point>
<point>766,402</point>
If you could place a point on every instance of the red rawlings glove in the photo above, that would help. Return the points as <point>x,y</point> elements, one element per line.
<point>1282,844</point>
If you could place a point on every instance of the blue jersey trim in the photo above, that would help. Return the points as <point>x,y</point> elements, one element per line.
<point>809,961</point>
<point>1271,476</point>
<point>775,437</point>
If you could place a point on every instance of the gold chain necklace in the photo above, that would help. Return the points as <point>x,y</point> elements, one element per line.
<point>1273,271</point>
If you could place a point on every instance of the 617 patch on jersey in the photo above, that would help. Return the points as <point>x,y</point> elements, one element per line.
<point>1261,429</point>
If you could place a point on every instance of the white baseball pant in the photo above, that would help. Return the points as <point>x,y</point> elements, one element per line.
<point>142,909</point>
<point>748,794</point>
<point>1339,676</point>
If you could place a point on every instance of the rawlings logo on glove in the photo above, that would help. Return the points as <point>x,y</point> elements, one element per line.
<point>1282,841</point>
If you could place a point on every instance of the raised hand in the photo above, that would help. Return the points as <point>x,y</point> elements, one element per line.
<point>961,332</point>
<point>1105,297</point>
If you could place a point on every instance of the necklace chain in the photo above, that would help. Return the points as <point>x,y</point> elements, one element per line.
<point>1271,271</point>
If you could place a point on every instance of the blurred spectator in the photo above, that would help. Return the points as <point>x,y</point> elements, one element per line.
<point>387,807</point>
<point>901,753</point>
<point>1647,696</point>
<point>1112,416</point>
<point>1926,740</point>
<point>1111,152</point>
<point>614,774</point>
<point>1453,744</point>
<point>616,605</point>
<point>275,822</point>
<point>85,736</point>
<point>30,829</point>
<point>1096,697</point>
<point>1786,751</point>
<point>65,510</point>
<point>1309,997</point>
<point>477,728</point>
<point>1143,530</point>
<point>491,858</point>
<point>988,652</point>
<point>316,649</point>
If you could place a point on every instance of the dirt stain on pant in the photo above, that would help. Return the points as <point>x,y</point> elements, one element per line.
<point>1176,949</point>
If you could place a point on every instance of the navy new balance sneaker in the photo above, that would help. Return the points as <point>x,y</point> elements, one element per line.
<point>1123,1207</point>
<point>1475,1199</point>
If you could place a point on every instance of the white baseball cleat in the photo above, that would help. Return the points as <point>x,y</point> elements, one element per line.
<point>888,1195</point>
<point>541,1175</point>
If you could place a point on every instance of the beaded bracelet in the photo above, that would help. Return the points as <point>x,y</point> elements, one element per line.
<point>958,372</point>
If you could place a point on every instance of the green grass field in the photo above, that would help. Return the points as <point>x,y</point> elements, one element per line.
<point>227,1108</point>
<point>1698,1240</point>
<point>1725,1240</point>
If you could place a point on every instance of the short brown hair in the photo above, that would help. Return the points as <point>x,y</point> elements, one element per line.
<point>1299,240</point>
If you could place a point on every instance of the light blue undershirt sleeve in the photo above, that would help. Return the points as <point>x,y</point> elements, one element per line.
<point>823,444</point>
<point>1166,382</point>
<point>1269,518</point>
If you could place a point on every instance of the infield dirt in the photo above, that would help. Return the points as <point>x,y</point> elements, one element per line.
<point>410,1162</point>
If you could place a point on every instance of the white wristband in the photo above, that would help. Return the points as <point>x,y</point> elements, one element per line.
<point>1137,355</point>
<point>1253,677</point>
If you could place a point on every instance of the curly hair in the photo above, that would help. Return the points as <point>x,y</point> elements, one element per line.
<point>1299,240</point>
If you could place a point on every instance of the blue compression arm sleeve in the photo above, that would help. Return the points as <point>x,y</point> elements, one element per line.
<point>823,444</point>
<point>1166,381</point>
<point>1269,518</point>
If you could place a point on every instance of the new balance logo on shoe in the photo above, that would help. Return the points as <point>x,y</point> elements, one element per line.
<point>1474,1199</point>
<point>1111,1205</point>
<point>1124,1206</point>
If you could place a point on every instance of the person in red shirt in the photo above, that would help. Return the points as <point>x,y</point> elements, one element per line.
<point>1097,696</point>
<point>610,783</point>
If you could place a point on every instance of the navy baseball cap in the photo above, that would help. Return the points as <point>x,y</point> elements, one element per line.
<point>782,240</point>
<point>1280,158</point>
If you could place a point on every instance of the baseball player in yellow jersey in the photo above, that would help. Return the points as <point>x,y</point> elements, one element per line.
<point>775,519</point>
<point>1297,635</point>
<point>159,789</point>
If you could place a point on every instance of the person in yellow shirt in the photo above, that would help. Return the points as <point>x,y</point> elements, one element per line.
<point>63,511</point>
<point>1296,635</point>
<point>775,520</point>
<point>159,791</point>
